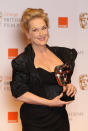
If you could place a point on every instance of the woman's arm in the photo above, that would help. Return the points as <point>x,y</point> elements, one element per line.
<point>21,90</point>
<point>31,98</point>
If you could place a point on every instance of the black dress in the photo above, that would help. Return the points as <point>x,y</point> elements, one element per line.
<point>43,118</point>
<point>42,83</point>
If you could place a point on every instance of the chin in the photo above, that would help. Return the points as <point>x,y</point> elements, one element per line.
<point>41,43</point>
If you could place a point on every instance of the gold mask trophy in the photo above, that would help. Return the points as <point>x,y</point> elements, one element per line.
<point>62,74</point>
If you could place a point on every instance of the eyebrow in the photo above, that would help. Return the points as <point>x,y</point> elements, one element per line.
<point>38,28</point>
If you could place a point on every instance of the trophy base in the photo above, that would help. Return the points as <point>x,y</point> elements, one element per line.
<point>67,98</point>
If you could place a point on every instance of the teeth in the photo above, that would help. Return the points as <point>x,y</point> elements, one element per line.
<point>41,38</point>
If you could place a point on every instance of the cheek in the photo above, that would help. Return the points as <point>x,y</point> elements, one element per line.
<point>46,33</point>
<point>34,35</point>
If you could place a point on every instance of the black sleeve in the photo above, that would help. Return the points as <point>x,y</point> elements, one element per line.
<point>68,56</point>
<point>72,57</point>
<point>19,84</point>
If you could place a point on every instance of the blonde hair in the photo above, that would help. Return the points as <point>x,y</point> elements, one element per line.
<point>30,14</point>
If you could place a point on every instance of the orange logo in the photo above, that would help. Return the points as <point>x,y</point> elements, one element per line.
<point>12,117</point>
<point>12,53</point>
<point>62,22</point>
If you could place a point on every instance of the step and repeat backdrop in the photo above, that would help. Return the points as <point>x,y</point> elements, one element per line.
<point>68,28</point>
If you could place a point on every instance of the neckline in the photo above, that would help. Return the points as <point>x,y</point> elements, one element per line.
<point>45,70</point>
<point>33,55</point>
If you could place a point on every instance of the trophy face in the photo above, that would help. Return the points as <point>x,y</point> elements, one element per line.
<point>61,74</point>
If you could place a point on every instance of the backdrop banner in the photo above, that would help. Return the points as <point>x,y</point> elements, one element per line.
<point>68,28</point>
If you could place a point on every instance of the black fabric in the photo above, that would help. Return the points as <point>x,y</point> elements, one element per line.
<point>26,78</point>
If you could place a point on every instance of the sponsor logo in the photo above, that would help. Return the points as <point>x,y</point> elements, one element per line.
<point>12,53</point>
<point>81,52</point>
<point>83,20</point>
<point>73,115</point>
<point>5,83</point>
<point>62,22</point>
<point>9,20</point>
<point>83,81</point>
<point>12,117</point>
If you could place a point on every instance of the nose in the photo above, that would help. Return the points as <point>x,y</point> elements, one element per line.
<point>40,32</point>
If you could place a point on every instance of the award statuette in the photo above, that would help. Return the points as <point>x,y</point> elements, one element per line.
<point>62,74</point>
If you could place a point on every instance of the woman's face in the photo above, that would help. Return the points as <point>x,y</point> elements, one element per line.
<point>38,31</point>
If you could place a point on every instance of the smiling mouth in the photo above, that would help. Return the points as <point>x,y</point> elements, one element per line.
<point>41,39</point>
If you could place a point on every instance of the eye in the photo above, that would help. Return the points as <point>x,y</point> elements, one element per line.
<point>35,30</point>
<point>44,27</point>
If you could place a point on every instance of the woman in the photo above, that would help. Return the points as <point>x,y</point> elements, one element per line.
<point>33,77</point>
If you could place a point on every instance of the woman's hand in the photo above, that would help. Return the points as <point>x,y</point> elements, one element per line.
<point>70,90</point>
<point>56,102</point>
